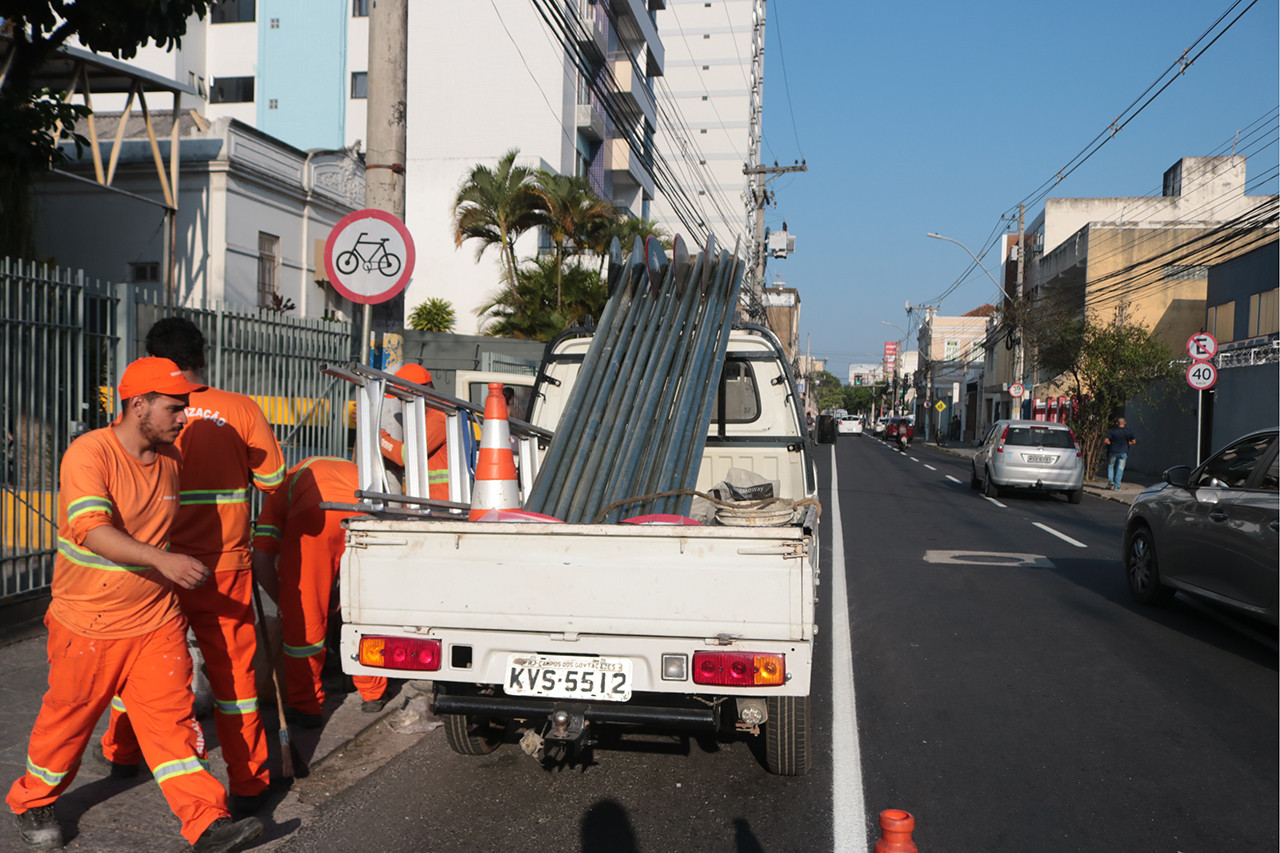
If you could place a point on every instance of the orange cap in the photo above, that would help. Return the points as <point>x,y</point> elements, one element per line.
<point>155,374</point>
<point>414,373</point>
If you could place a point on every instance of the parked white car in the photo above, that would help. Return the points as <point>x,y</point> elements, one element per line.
<point>880,425</point>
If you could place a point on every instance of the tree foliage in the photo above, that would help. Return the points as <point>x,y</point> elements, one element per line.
<point>827,390</point>
<point>1106,366</point>
<point>434,315</point>
<point>34,119</point>
<point>572,214</point>
<point>496,206</point>
<point>535,309</point>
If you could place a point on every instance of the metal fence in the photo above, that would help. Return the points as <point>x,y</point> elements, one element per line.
<point>65,340</point>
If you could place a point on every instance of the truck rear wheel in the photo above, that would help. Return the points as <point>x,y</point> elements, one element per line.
<point>468,735</point>
<point>786,736</point>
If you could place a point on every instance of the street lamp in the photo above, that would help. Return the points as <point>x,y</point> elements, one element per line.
<point>975,260</point>
<point>897,360</point>
<point>1017,354</point>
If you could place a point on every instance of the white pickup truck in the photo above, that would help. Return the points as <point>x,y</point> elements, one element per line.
<point>548,632</point>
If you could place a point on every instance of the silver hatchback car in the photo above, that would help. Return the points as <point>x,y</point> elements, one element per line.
<point>1029,454</point>
<point>1213,531</point>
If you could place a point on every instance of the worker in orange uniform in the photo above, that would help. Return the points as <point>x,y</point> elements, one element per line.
<point>226,447</point>
<point>391,437</point>
<point>296,549</point>
<point>115,628</point>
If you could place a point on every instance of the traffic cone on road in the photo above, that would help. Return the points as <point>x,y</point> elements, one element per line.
<point>895,832</point>
<point>496,486</point>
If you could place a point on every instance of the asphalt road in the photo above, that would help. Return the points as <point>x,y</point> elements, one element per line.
<point>1004,690</point>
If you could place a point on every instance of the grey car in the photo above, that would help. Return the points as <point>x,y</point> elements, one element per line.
<point>1029,454</point>
<point>1211,531</point>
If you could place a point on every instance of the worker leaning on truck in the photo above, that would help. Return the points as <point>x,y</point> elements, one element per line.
<point>226,447</point>
<point>296,550</point>
<point>391,438</point>
<point>115,627</point>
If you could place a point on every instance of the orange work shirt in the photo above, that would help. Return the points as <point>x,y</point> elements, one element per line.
<point>101,483</point>
<point>391,441</point>
<point>295,506</point>
<point>227,445</point>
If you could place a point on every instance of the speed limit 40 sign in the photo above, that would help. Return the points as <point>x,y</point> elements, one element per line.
<point>1201,375</point>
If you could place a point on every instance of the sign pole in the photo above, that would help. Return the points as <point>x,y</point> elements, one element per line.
<point>1199,424</point>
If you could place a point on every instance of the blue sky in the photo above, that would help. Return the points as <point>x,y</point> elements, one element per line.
<point>942,116</point>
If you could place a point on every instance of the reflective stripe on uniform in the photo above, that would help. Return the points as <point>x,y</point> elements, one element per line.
<point>88,559</point>
<point>89,504</point>
<point>275,478</point>
<point>52,778</point>
<point>117,704</point>
<point>303,651</point>
<point>179,767</point>
<point>237,706</point>
<point>437,475</point>
<point>213,496</point>
<point>267,530</point>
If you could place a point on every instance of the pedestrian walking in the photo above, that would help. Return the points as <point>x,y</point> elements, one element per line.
<point>227,446</point>
<point>391,439</point>
<point>115,627</point>
<point>1118,441</point>
<point>296,550</point>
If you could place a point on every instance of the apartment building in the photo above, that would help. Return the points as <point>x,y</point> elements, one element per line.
<point>707,88</point>
<point>951,355</point>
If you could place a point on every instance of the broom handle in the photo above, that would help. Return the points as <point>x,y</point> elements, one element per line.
<point>285,759</point>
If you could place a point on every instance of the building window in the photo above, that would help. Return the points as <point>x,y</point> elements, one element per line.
<point>1180,272</point>
<point>359,8</point>
<point>1220,321</point>
<point>144,272</point>
<point>273,104</point>
<point>268,269</point>
<point>950,349</point>
<point>1264,313</point>
<point>360,84</point>
<point>706,68</point>
<point>232,12</point>
<point>231,90</point>
<point>704,97</point>
<point>275,23</point>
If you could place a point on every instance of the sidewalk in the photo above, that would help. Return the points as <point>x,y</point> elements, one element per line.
<point>1130,487</point>
<point>109,815</point>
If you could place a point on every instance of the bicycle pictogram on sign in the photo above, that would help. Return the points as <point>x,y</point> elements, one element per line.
<point>380,258</point>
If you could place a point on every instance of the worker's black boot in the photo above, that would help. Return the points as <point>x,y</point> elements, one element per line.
<point>223,836</point>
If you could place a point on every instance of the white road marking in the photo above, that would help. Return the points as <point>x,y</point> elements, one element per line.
<point>989,558</point>
<point>913,459</point>
<point>848,804</point>
<point>1064,537</point>
<point>954,480</point>
<point>930,467</point>
<point>997,503</point>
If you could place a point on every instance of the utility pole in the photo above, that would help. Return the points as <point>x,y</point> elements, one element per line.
<point>760,196</point>
<point>1019,355</point>
<point>386,134</point>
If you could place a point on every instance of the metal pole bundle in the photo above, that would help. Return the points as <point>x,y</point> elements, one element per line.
<point>637,418</point>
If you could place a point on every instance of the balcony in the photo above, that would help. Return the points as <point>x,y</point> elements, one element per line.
<point>590,121</point>
<point>592,24</point>
<point>627,165</point>
<point>633,87</point>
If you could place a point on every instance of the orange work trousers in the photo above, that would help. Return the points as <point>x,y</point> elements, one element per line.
<point>221,615</point>
<point>152,673</point>
<point>308,567</point>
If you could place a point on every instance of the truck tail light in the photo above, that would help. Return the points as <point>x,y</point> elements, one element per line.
<point>400,653</point>
<point>739,669</point>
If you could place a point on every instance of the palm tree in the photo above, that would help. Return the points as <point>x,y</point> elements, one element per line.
<point>572,213</point>
<point>496,206</point>
<point>529,311</point>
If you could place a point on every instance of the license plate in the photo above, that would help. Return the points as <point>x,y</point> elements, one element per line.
<point>568,677</point>
<point>1041,459</point>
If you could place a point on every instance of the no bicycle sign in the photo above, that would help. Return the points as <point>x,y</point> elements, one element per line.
<point>369,256</point>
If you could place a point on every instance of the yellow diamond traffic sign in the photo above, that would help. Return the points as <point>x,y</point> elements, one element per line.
<point>939,405</point>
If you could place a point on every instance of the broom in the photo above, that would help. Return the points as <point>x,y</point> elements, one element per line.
<point>292,766</point>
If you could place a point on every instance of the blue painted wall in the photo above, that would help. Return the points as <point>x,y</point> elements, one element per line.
<point>302,65</point>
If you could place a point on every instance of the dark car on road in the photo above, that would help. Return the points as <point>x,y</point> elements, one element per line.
<point>1211,531</point>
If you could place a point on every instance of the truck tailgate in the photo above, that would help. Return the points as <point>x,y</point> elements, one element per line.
<point>584,579</point>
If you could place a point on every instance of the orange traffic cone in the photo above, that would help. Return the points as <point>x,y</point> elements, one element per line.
<point>496,486</point>
<point>895,832</point>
